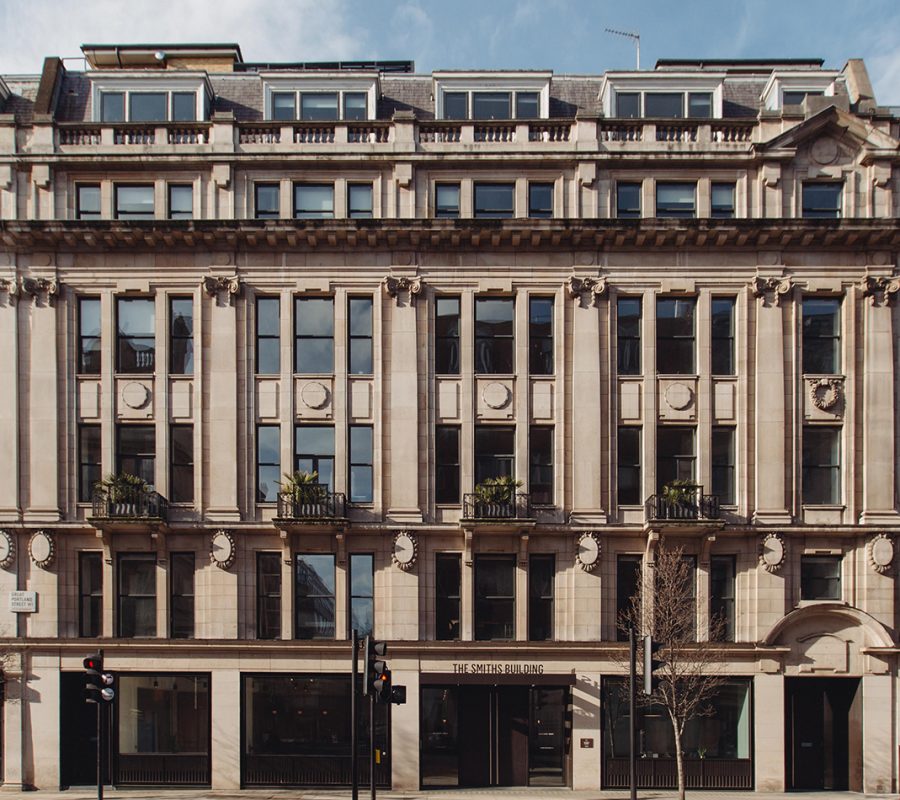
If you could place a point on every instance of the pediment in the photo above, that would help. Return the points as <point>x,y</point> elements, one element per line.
<point>832,124</point>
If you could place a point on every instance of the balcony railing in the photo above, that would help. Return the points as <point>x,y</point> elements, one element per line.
<point>130,503</point>
<point>516,507</point>
<point>682,503</point>
<point>311,502</point>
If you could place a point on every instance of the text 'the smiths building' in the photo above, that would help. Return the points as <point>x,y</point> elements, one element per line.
<point>214,274</point>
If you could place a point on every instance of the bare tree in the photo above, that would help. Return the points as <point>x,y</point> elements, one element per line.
<point>664,606</point>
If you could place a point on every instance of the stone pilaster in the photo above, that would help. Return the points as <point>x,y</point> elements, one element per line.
<point>9,402</point>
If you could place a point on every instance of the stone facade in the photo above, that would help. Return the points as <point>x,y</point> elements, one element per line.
<point>707,295</point>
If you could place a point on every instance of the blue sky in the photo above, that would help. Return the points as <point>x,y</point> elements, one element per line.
<point>562,35</point>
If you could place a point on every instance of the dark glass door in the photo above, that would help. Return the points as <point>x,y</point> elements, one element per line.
<point>78,745</point>
<point>547,737</point>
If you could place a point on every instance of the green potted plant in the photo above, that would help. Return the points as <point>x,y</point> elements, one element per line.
<point>120,493</point>
<point>495,496</point>
<point>305,492</point>
<point>680,497</point>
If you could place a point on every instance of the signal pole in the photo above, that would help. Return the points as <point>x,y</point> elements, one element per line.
<point>632,710</point>
<point>354,717</point>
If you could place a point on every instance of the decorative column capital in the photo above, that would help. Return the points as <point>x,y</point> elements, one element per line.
<point>41,289</point>
<point>395,286</point>
<point>881,291</point>
<point>214,285</point>
<point>9,287</point>
<point>593,288</point>
<point>771,290</point>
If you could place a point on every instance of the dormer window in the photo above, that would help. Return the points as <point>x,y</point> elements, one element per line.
<point>150,98</point>
<point>493,96</point>
<point>664,105</point>
<point>791,87</point>
<point>320,97</point>
<point>491,105</point>
<point>796,97</point>
<point>319,106</point>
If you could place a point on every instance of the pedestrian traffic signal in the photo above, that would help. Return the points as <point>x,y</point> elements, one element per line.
<point>398,695</point>
<point>98,685</point>
<point>651,681</point>
<point>377,672</point>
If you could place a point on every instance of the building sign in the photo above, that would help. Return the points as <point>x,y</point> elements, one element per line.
<point>491,668</point>
<point>23,602</point>
<point>587,744</point>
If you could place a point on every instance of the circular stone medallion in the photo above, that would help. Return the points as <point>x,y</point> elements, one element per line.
<point>135,395</point>
<point>41,549</point>
<point>881,552</point>
<point>314,395</point>
<point>588,554</point>
<point>7,549</point>
<point>678,396</point>
<point>221,550</point>
<point>772,554</point>
<point>824,150</point>
<point>496,395</point>
<point>405,547</point>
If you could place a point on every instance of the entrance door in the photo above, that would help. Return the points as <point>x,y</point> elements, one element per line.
<point>78,742</point>
<point>822,737</point>
<point>493,736</point>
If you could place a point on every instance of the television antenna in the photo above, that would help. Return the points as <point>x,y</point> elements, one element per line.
<point>634,36</point>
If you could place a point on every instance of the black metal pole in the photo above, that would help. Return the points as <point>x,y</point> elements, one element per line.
<point>372,744</point>
<point>99,748</point>
<point>632,704</point>
<point>354,716</point>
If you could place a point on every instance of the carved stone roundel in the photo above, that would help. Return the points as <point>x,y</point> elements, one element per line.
<point>405,550</point>
<point>588,554</point>
<point>678,396</point>
<point>881,553</point>
<point>825,393</point>
<point>771,552</point>
<point>314,395</point>
<point>824,150</point>
<point>135,395</point>
<point>41,549</point>
<point>7,549</point>
<point>496,395</point>
<point>222,551</point>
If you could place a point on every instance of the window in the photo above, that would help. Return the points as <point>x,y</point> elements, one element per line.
<point>495,597</point>
<point>90,594</point>
<point>821,466</point>
<point>87,199</point>
<point>89,336</point>
<point>723,465</point>
<point>446,336</point>
<point>721,594</point>
<point>495,200</point>
<point>314,452</point>
<point>822,200</point>
<point>268,335</point>
<point>137,595</point>
<point>313,201</point>
<point>112,107</point>
<point>134,202</point>
<point>314,587</point>
<point>448,579</point>
<point>181,336</point>
<point>689,597</point>
<point>314,334</point>
<point>147,107</point>
<point>540,200</point>
<point>675,200</point>
<point>796,97</point>
<point>628,571</point>
<point>446,200</point>
<point>181,201</point>
<point>362,593</point>
<point>528,105</point>
<point>721,201</point>
<point>267,200</point>
<point>360,331</point>
<point>628,105</point>
<point>359,201</point>
<point>700,105</point>
<point>268,595</point>
<point>184,106</point>
<point>495,452</point>
<point>820,577</point>
<point>821,335</point>
<point>268,463</point>
<point>628,481</point>
<point>540,474</point>
<point>675,455</point>
<point>664,105</point>
<point>456,105</point>
<point>181,466</point>
<point>135,334</point>
<point>494,336</point>
<point>675,335</point>
<point>446,459</point>
<point>319,106</point>
<point>361,464</point>
<point>628,200</point>
<point>541,574</point>
<point>628,335</point>
<point>491,105</point>
<point>355,106</point>
<point>136,451</point>
<point>540,335</point>
<point>284,106</point>
<point>89,461</point>
<point>722,355</point>
<point>181,601</point>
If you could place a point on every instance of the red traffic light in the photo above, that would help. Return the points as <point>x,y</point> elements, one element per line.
<point>93,663</point>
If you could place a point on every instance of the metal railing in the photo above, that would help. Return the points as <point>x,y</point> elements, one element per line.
<point>172,769</point>
<point>290,769</point>
<point>311,501</point>
<point>516,507</point>
<point>130,503</point>
<point>684,502</point>
<point>699,773</point>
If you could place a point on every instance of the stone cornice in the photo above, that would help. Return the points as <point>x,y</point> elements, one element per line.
<point>428,234</point>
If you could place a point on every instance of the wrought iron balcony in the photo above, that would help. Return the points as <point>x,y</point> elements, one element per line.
<point>682,503</point>
<point>517,506</point>
<point>126,503</point>
<point>311,502</point>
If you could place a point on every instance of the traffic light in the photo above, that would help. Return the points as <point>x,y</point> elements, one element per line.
<point>398,695</point>
<point>98,685</point>
<point>378,676</point>
<point>651,664</point>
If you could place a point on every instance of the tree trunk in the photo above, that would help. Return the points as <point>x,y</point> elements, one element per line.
<point>679,759</point>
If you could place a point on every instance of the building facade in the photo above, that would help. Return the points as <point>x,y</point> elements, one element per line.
<point>293,349</point>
